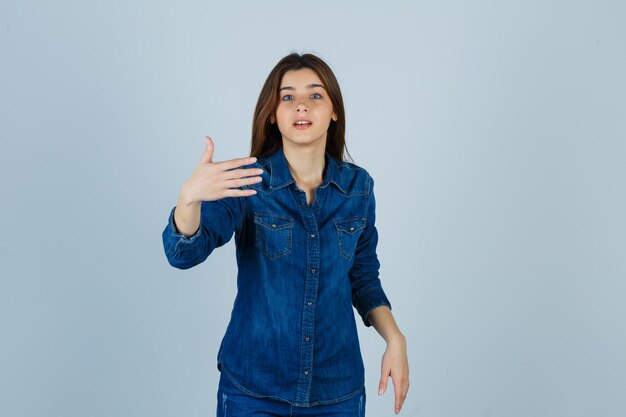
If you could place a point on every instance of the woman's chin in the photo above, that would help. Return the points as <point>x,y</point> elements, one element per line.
<point>303,140</point>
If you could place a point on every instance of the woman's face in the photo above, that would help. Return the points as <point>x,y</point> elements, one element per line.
<point>303,97</point>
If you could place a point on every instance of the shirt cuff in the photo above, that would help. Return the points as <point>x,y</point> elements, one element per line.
<point>181,240</point>
<point>369,301</point>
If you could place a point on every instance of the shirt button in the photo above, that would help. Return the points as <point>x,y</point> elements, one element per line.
<point>306,372</point>
<point>313,270</point>
<point>306,339</point>
<point>274,226</point>
<point>312,235</point>
<point>352,228</point>
<point>309,303</point>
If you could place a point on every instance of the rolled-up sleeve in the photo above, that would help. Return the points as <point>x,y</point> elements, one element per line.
<point>218,221</point>
<point>367,291</point>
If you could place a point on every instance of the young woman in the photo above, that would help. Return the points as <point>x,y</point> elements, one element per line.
<point>304,226</point>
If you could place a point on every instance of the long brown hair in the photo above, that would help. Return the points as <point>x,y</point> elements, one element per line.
<point>266,137</point>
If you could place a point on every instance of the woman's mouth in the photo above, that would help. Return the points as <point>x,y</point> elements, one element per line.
<point>302,124</point>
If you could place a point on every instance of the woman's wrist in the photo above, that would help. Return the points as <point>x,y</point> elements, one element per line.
<point>396,338</point>
<point>184,198</point>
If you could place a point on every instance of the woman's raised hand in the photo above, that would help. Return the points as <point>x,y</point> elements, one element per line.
<point>215,180</point>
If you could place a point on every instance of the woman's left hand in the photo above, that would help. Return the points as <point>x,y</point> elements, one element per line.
<point>395,364</point>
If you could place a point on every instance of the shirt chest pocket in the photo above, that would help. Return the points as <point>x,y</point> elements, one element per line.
<point>274,234</point>
<point>348,232</point>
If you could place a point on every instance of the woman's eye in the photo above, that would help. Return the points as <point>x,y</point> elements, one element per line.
<point>287,97</point>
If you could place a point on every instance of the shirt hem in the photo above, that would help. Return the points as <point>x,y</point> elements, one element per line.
<point>293,403</point>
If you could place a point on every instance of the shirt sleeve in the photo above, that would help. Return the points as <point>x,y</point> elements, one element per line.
<point>367,292</point>
<point>218,221</point>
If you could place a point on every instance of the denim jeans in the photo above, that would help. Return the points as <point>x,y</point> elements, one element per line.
<point>233,402</point>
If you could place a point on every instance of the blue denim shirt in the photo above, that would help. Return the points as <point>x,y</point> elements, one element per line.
<point>292,334</point>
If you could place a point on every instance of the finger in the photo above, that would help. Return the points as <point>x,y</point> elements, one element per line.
<point>238,182</point>
<point>236,163</point>
<point>399,393</point>
<point>384,378</point>
<point>207,156</point>
<point>233,192</point>
<point>240,173</point>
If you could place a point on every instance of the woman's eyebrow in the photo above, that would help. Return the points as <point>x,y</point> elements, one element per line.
<point>307,87</point>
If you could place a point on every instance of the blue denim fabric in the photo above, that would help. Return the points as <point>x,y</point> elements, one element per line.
<point>292,334</point>
<point>233,402</point>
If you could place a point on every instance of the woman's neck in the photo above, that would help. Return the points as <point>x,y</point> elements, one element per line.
<point>306,163</point>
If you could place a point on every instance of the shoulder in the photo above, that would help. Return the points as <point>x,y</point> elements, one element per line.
<point>354,178</point>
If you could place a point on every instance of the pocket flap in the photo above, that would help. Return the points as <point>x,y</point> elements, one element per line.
<point>350,226</point>
<point>273,221</point>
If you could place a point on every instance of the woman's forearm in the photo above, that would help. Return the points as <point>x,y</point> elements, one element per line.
<point>384,323</point>
<point>395,363</point>
<point>187,215</point>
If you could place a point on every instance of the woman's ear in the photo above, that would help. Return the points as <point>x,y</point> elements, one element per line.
<point>272,121</point>
<point>334,116</point>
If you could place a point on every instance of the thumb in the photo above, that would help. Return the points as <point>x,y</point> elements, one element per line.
<point>207,156</point>
<point>384,378</point>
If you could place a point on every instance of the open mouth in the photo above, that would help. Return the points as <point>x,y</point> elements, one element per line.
<point>302,124</point>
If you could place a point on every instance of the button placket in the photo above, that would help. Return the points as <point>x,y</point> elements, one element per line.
<point>310,295</point>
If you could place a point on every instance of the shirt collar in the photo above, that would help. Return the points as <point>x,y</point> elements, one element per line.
<point>280,175</point>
